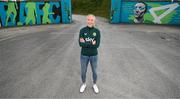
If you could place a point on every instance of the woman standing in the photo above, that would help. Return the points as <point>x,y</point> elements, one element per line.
<point>89,41</point>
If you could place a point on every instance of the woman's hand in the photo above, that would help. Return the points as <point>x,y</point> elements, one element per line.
<point>82,40</point>
<point>93,42</point>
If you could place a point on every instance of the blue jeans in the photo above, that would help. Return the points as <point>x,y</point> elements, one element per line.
<point>84,64</point>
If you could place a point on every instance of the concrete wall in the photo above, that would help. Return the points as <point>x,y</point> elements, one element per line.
<point>18,13</point>
<point>157,12</point>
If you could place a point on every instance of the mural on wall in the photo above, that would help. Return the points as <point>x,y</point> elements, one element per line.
<point>150,12</point>
<point>139,10</point>
<point>11,9</point>
<point>30,13</point>
<point>157,13</point>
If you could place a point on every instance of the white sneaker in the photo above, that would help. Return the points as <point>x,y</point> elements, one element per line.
<point>82,88</point>
<point>96,90</point>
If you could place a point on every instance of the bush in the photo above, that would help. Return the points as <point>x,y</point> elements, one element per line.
<point>96,7</point>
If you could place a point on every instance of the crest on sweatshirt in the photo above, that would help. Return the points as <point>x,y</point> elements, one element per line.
<point>94,34</point>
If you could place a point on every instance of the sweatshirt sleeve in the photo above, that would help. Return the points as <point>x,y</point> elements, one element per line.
<point>83,44</point>
<point>98,37</point>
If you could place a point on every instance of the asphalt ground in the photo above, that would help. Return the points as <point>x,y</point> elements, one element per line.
<point>135,61</point>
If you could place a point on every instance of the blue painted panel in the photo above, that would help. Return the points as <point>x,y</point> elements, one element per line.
<point>115,11</point>
<point>33,13</point>
<point>66,11</point>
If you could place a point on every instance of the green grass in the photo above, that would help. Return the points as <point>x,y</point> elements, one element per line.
<point>96,7</point>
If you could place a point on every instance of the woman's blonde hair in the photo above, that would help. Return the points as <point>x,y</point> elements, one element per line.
<point>94,17</point>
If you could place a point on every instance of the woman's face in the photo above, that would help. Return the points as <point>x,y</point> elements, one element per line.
<point>90,21</point>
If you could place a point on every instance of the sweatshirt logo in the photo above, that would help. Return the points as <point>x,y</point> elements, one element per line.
<point>89,39</point>
<point>94,34</point>
<point>85,33</point>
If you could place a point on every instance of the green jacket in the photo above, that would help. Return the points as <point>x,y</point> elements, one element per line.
<point>89,35</point>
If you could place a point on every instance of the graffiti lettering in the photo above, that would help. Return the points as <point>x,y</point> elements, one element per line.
<point>170,8</point>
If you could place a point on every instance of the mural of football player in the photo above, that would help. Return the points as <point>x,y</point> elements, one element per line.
<point>140,9</point>
<point>31,12</point>
<point>12,6</point>
<point>45,18</point>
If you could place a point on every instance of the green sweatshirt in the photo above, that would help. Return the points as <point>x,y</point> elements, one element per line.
<point>89,35</point>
